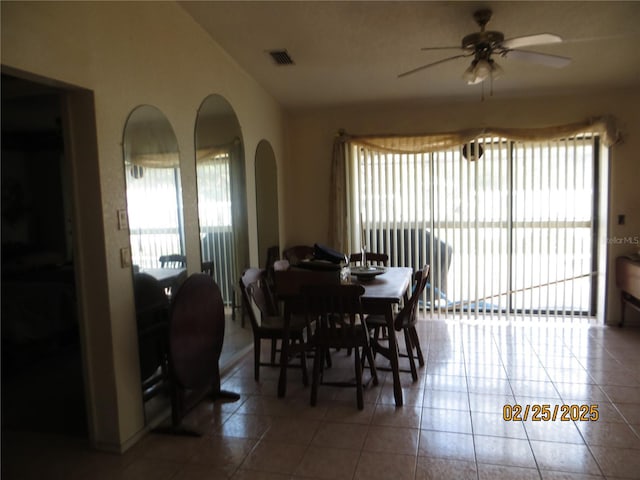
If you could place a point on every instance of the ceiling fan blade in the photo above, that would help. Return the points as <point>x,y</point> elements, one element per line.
<point>529,40</point>
<point>545,59</point>
<point>431,65</point>
<point>457,47</point>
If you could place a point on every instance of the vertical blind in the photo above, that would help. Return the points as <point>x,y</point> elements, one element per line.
<point>217,237</point>
<point>154,204</point>
<point>508,229</point>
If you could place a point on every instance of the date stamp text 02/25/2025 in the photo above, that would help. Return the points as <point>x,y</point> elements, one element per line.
<point>543,412</point>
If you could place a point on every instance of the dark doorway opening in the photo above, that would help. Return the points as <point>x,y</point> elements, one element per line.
<point>42,378</point>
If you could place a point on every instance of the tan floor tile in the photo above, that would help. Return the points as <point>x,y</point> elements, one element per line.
<point>458,446</point>
<point>630,412</point>
<point>149,469</point>
<point>170,447</point>
<point>329,463</point>
<point>504,451</point>
<point>486,371</point>
<point>445,420</point>
<point>411,396</point>
<point>581,393</point>
<point>609,435</point>
<point>274,457</point>
<point>244,426</point>
<point>493,386</point>
<point>564,457</point>
<point>528,388</point>
<point>489,403</point>
<point>199,472</point>
<point>392,440</point>
<point>617,376</point>
<point>296,430</point>
<point>348,413</point>
<point>384,466</point>
<point>617,462</point>
<point>502,472</point>
<point>430,468</point>
<point>569,375</point>
<point>390,415</point>
<point>493,424</point>
<point>553,431</point>
<point>435,366</point>
<point>225,453</point>
<point>450,383</point>
<point>446,400</point>
<point>550,475</point>
<point>340,435</point>
<point>619,394</point>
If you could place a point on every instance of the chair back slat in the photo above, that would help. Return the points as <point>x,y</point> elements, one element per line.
<point>375,258</point>
<point>338,311</point>
<point>407,315</point>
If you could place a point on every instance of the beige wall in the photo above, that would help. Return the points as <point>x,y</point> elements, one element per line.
<point>128,54</point>
<point>310,135</point>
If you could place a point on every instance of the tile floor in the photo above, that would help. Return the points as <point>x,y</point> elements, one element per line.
<point>451,426</point>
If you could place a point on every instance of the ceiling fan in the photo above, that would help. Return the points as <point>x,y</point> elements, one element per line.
<point>484,44</point>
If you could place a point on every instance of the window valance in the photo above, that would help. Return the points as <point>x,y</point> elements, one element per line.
<point>603,126</point>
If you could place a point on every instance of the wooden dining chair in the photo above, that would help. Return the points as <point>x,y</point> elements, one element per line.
<point>174,260</point>
<point>405,321</point>
<point>208,268</point>
<point>340,323</point>
<point>374,258</point>
<point>270,324</point>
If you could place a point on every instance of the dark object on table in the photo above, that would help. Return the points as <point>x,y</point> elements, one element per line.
<point>322,252</point>
<point>297,254</point>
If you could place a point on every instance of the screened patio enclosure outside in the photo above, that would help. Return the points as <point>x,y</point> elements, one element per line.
<point>510,228</point>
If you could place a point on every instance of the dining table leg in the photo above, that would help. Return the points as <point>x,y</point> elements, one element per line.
<point>394,357</point>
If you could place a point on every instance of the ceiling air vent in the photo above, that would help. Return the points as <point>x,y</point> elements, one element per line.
<point>281,57</point>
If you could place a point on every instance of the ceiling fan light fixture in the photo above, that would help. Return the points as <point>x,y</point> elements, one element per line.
<point>480,70</point>
<point>496,70</point>
<point>469,76</point>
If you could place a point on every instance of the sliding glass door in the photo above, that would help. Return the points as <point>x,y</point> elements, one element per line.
<point>506,226</point>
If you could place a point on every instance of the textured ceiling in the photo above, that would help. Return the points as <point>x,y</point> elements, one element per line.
<point>352,52</point>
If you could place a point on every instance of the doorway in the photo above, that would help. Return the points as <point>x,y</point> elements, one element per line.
<point>42,377</point>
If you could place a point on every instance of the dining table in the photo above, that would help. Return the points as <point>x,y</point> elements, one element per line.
<point>165,276</point>
<point>382,293</point>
